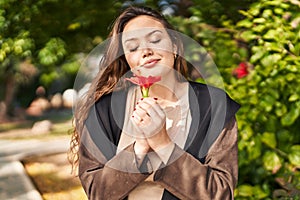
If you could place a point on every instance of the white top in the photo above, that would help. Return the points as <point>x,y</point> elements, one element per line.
<point>178,123</point>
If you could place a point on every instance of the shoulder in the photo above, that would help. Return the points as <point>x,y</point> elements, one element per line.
<point>108,99</point>
<point>211,92</point>
<point>204,89</point>
<point>215,98</point>
<point>111,106</point>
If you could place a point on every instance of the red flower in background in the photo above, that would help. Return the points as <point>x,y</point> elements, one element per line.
<point>144,82</point>
<point>241,71</point>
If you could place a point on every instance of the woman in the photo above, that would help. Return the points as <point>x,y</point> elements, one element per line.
<point>178,143</point>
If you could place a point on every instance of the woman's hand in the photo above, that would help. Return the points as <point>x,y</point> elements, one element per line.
<point>141,146</point>
<point>150,118</point>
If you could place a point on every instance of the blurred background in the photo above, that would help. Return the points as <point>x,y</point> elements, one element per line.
<point>254,43</point>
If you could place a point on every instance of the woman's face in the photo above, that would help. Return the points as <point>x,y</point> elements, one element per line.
<point>147,46</point>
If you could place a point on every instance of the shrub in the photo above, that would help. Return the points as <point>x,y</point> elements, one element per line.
<point>267,43</point>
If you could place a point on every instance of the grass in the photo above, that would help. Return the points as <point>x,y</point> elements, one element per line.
<point>52,176</point>
<point>62,124</point>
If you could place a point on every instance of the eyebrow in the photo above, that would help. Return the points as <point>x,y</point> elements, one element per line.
<point>148,34</point>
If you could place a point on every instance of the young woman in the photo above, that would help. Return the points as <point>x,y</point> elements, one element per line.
<point>178,143</point>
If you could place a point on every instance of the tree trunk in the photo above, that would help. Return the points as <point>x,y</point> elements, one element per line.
<point>5,106</point>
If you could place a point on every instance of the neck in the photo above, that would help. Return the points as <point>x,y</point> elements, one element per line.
<point>169,88</point>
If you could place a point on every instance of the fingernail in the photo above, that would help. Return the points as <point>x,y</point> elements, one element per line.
<point>155,98</point>
<point>142,98</point>
<point>132,116</point>
<point>134,109</point>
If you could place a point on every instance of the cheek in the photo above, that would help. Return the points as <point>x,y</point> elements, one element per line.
<point>169,59</point>
<point>132,59</point>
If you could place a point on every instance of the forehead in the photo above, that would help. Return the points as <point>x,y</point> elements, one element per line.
<point>141,22</point>
<point>141,26</point>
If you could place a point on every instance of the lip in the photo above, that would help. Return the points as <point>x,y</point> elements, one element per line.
<point>150,63</point>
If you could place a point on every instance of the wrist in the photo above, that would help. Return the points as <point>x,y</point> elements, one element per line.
<point>140,149</point>
<point>157,146</point>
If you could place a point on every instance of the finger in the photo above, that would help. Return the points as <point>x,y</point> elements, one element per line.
<point>145,121</point>
<point>140,100</point>
<point>141,121</point>
<point>149,100</point>
<point>155,109</point>
<point>147,103</point>
<point>140,111</point>
<point>136,125</point>
<point>136,118</point>
<point>143,109</point>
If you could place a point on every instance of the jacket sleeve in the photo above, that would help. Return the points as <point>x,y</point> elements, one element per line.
<point>103,173</point>
<point>111,180</point>
<point>215,179</point>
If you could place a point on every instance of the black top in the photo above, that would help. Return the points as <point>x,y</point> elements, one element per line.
<point>211,108</point>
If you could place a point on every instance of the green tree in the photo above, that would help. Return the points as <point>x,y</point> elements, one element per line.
<point>47,35</point>
<point>266,37</point>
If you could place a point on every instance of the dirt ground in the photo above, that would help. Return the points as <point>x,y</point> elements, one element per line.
<point>52,176</point>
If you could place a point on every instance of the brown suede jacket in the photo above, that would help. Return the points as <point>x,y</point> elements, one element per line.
<point>207,167</point>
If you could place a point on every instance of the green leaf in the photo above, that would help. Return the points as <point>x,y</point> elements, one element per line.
<point>245,14</point>
<point>278,11</point>
<point>274,46</point>
<point>257,55</point>
<point>284,136</point>
<point>280,110</point>
<point>245,190</point>
<point>267,102</point>
<point>296,49</point>
<point>270,60</point>
<point>292,68</point>
<point>259,193</point>
<point>259,20</point>
<point>259,28</point>
<point>290,117</point>
<point>294,155</point>
<point>247,132</point>
<point>248,35</point>
<point>254,148</point>
<point>255,10</point>
<point>293,97</point>
<point>269,139</point>
<point>271,161</point>
<point>291,77</point>
<point>245,23</point>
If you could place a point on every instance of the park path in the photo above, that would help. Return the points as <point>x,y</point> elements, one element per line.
<point>14,181</point>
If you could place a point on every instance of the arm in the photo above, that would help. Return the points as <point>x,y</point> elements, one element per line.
<point>103,173</point>
<point>215,179</point>
<point>111,180</point>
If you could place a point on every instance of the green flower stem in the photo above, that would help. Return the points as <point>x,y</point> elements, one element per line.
<point>145,92</point>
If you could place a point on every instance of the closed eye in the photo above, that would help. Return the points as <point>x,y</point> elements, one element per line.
<point>156,41</point>
<point>133,49</point>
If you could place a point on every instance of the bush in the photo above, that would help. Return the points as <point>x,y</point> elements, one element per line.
<point>269,158</point>
<point>267,43</point>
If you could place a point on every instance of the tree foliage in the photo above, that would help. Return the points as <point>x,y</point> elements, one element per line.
<point>266,38</point>
<point>269,119</point>
<point>47,35</point>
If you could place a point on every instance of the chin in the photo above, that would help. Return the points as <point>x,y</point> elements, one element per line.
<point>157,70</point>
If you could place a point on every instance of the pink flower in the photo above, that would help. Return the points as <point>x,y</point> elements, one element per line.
<point>144,82</point>
<point>241,71</point>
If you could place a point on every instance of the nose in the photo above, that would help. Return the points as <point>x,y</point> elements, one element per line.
<point>146,52</point>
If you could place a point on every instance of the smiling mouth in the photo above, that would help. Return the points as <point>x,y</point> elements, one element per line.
<point>150,64</point>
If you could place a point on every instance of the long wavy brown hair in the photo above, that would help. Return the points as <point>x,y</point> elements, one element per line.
<point>115,66</point>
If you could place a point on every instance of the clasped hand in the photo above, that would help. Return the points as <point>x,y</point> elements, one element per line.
<point>150,120</point>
